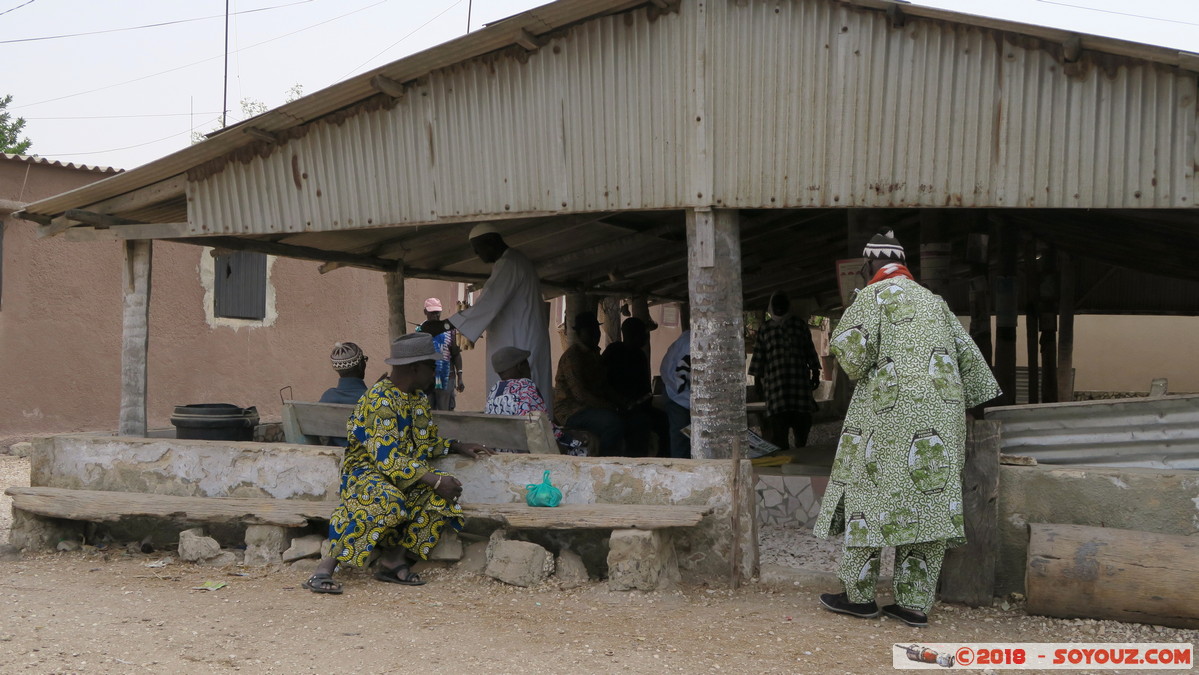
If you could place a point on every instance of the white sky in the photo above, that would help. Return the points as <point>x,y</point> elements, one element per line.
<point>133,96</point>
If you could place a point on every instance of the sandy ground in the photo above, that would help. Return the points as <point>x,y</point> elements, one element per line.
<point>107,612</point>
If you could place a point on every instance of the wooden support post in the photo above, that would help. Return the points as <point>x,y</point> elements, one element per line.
<point>717,340</point>
<point>1065,329</point>
<point>396,325</point>
<point>977,245</point>
<point>935,252</point>
<point>1005,311</point>
<point>135,335</point>
<point>968,573</point>
<point>610,306</point>
<point>577,303</point>
<point>1032,316</point>
<point>639,307</point>
<point>1048,324</point>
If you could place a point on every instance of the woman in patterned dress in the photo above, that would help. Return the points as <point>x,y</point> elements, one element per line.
<point>391,496</point>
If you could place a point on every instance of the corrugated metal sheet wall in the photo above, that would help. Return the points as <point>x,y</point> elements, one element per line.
<point>593,121</point>
<point>828,105</point>
<point>1151,433</point>
<point>809,103</point>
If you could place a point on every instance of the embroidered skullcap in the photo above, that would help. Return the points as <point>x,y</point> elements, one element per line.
<point>432,305</point>
<point>507,358</point>
<point>346,355</point>
<point>884,245</point>
<point>482,229</point>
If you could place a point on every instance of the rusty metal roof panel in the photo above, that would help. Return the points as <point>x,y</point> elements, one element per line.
<point>827,104</point>
<point>594,120</point>
<point>810,103</point>
<point>1156,433</point>
<point>33,159</point>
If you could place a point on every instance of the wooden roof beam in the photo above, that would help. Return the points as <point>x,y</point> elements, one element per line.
<point>290,251</point>
<point>386,85</point>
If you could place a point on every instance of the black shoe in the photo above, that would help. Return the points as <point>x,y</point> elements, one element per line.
<point>909,616</point>
<point>839,602</point>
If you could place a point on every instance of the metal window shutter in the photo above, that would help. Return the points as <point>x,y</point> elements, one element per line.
<point>240,288</point>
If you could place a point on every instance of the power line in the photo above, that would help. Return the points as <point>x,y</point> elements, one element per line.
<point>1112,11</point>
<point>148,25</point>
<point>127,147</point>
<point>196,63</point>
<point>28,2</point>
<point>120,117</point>
<point>410,34</point>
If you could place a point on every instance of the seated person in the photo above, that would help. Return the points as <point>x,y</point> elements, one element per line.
<point>516,394</point>
<point>391,496</point>
<point>350,364</point>
<point>582,398</point>
<point>628,377</point>
<point>676,380</point>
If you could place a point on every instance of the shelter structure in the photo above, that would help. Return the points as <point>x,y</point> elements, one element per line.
<point>707,151</point>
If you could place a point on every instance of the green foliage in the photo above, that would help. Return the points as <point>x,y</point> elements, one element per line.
<point>250,107</point>
<point>10,130</point>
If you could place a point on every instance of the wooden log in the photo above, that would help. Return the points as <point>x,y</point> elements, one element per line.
<point>968,573</point>
<point>1105,573</point>
<point>135,335</point>
<point>104,506</point>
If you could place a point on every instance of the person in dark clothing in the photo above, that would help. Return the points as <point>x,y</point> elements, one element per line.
<point>629,380</point>
<point>350,364</point>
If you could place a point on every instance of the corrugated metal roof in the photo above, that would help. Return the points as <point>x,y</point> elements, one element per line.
<point>1155,433</point>
<point>33,159</point>
<point>969,57</point>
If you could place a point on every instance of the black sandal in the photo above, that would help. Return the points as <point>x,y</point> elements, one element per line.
<point>392,575</point>
<point>322,583</point>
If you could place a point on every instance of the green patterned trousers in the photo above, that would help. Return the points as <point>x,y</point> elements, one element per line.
<point>917,567</point>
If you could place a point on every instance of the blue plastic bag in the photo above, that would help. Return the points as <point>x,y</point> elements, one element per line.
<point>543,493</point>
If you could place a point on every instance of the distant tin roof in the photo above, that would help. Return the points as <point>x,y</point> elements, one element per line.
<point>65,165</point>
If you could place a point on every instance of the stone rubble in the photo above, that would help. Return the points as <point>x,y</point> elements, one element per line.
<point>195,547</point>
<point>308,546</point>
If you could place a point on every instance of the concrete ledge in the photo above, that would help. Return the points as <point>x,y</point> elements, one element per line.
<point>307,472</point>
<point>1150,500</point>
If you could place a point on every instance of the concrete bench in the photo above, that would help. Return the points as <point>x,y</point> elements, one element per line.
<point>306,422</point>
<point>644,560</point>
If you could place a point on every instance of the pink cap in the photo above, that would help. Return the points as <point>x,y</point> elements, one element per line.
<point>432,305</point>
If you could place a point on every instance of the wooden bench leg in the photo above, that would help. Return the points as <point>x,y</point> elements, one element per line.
<point>642,560</point>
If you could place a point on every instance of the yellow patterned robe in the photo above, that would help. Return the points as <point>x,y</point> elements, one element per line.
<point>383,502</point>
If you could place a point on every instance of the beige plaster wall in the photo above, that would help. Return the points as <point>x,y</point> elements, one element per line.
<point>60,327</point>
<point>1124,353</point>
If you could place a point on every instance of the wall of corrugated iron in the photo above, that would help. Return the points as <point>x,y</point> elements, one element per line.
<point>805,103</point>
<point>822,104</point>
<point>1157,433</point>
<point>592,121</point>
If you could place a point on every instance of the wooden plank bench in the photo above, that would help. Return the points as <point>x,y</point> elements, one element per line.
<point>106,506</point>
<point>306,422</point>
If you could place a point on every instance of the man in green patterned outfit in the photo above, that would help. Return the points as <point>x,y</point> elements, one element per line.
<point>896,480</point>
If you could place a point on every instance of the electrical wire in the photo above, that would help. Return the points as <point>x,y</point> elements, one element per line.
<point>410,34</point>
<point>29,2</point>
<point>127,147</point>
<point>1112,11</point>
<point>196,63</point>
<point>121,117</point>
<point>149,25</point>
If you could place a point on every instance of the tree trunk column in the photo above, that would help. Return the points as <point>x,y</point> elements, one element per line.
<point>135,335</point>
<point>717,338</point>
<point>396,324</point>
